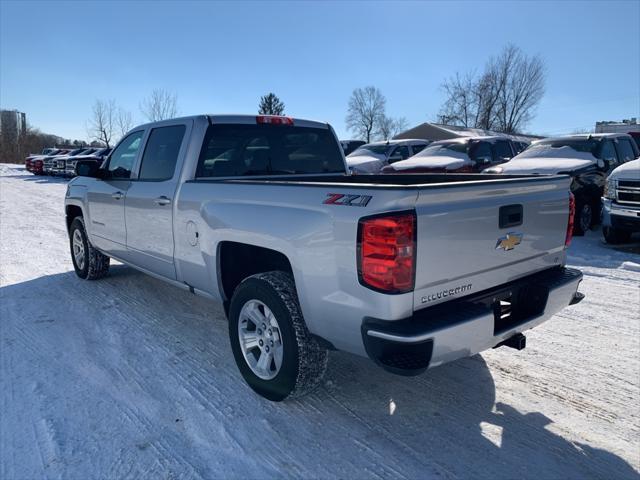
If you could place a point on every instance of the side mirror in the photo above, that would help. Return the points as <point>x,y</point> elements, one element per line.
<point>89,168</point>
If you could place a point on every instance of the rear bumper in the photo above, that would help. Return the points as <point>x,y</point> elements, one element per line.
<point>470,325</point>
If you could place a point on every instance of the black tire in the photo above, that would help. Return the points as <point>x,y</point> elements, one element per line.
<point>583,219</point>
<point>94,264</point>
<point>615,236</point>
<point>304,361</point>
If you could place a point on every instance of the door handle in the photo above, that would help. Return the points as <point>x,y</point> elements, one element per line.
<point>162,200</point>
<point>116,195</point>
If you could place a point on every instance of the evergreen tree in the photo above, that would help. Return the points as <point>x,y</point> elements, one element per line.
<point>270,104</point>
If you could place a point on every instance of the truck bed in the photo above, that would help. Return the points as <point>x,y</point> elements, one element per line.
<point>386,180</point>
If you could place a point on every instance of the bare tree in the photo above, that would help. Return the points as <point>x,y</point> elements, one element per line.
<point>366,112</point>
<point>270,104</point>
<point>160,105</point>
<point>124,121</point>
<point>521,88</point>
<point>101,126</point>
<point>389,127</point>
<point>502,98</point>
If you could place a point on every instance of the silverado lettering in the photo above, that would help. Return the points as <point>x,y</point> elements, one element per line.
<point>447,293</point>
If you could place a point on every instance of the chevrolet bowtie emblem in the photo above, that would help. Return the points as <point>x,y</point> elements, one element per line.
<point>509,241</point>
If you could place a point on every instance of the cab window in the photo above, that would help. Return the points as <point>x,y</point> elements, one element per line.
<point>161,153</point>
<point>502,152</point>
<point>608,153</point>
<point>481,152</point>
<point>625,150</point>
<point>122,158</point>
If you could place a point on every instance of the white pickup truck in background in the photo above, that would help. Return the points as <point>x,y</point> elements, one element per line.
<point>260,212</point>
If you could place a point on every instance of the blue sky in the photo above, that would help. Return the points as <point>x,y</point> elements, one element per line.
<point>56,58</point>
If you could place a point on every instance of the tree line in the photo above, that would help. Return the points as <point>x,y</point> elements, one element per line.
<point>502,98</point>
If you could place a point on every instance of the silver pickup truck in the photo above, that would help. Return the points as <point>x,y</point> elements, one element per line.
<point>259,212</point>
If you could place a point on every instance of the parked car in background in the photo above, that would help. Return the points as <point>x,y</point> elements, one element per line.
<point>459,155</point>
<point>60,165</point>
<point>35,163</point>
<point>373,157</point>
<point>621,203</point>
<point>349,146</point>
<point>588,159</point>
<point>98,155</point>
<point>51,162</point>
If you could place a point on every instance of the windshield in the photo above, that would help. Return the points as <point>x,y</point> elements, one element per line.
<point>375,149</point>
<point>448,149</point>
<point>569,147</point>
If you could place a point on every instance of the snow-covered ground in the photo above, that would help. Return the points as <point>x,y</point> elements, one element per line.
<point>130,378</point>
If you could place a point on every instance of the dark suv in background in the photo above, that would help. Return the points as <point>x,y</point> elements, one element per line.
<point>587,158</point>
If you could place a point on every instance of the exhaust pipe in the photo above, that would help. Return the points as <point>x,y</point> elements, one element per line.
<point>518,341</point>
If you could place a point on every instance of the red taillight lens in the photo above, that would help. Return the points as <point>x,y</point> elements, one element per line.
<point>274,120</point>
<point>386,258</point>
<point>572,214</point>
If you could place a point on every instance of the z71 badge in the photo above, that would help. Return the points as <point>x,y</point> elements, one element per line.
<point>347,199</point>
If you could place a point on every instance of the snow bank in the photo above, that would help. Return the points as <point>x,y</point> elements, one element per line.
<point>129,377</point>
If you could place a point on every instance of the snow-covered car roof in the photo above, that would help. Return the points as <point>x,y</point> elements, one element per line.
<point>405,141</point>
<point>579,136</point>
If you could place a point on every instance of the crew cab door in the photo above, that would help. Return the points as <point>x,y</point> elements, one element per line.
<point>151,199</point>
<point>106,197</point>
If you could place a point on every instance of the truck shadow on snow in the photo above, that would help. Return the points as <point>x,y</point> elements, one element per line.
<point>174,346</point>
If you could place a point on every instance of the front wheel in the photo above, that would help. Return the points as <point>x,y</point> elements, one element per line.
<point>272,347</point>
<point>89,263</point>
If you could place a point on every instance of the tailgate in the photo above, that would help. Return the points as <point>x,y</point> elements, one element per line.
<point>475,236</point>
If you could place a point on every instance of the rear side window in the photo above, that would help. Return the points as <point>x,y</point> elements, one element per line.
<point>161,153</point>
<point>244,150</point>
<point>625,150</point>
<point>502,151</point>
<point>482,150</point>
<point>121,161</point>
<point>608,153</point>
<point>401,152</point>
<point>417,148</point>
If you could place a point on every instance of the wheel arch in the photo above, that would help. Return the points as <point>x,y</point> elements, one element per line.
<point>72,211</point>
<point>237,261</point>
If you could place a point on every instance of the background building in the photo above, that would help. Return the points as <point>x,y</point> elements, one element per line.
<point>437,131</point>
<point>13,124</point>
<point>625,126</point>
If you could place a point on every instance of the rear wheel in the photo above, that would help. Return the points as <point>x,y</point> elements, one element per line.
<point>272,347</point>
<point>615,236</point>
<point>89,263</point>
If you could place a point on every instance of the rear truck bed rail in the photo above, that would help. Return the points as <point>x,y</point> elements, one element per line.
<point>471,324</point>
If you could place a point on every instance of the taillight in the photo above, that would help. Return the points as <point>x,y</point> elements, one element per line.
<point>572,214</point>
<point>274,120</point>
<point>387,251</point>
